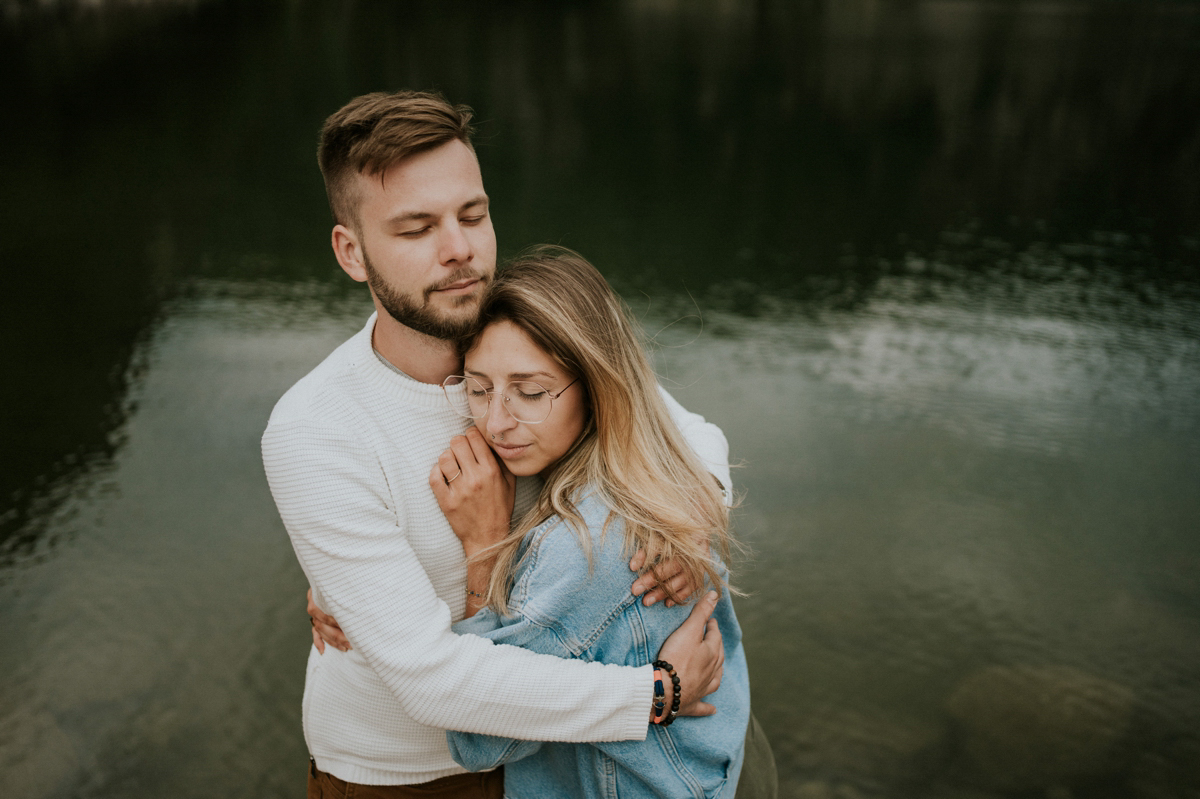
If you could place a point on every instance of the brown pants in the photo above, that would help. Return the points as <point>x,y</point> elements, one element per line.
<point>488,785</point>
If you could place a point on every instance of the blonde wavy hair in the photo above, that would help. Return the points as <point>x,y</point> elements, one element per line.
<point>630,451</point>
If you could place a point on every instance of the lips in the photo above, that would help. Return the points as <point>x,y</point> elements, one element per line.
<point>459,286</point>
<point>462,281</point>
<point>508,452</point>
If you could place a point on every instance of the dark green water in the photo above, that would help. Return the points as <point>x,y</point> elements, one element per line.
<point>933,266</point>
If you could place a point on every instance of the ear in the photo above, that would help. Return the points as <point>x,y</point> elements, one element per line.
<point>347,248</point>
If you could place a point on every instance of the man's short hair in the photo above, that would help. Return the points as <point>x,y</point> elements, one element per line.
<point>374,132</point>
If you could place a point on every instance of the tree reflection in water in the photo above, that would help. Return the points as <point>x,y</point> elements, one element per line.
<point>937,206</point>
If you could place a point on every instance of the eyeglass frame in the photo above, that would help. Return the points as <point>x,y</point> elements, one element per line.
<point>492,391</point>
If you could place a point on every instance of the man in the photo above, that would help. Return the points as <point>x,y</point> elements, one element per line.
<point>348,452</point>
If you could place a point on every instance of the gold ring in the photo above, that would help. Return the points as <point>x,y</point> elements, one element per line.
<point>455,477</point>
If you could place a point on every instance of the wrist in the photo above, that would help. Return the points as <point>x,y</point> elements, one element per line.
<point>667,692</point>
<point>475,544</point>
<point>659,702</point>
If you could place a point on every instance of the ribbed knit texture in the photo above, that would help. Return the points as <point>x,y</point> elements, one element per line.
<point>348,452</point>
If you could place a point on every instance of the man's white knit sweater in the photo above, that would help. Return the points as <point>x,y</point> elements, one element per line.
<point>348,451</point>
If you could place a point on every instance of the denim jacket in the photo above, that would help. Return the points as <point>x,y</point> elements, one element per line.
<point>558,607</point>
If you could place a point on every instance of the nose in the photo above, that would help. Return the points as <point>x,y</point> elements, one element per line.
<point>455,247</point>
<point>499,420</point>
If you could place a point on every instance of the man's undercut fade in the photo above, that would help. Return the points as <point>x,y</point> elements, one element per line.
<point>374,132</point>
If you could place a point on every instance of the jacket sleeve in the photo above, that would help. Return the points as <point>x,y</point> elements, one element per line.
<point>476,752</point>
<point>547,616</point>
<point>706,440</point>
<point>334,501</point>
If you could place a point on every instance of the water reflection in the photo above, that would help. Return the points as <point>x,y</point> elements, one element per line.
<point>946,262</point>
<point>69,329</point>
<point>974,568</point>
<point>158,655</point>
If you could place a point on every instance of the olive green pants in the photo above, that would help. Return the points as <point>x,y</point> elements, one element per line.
<point>759,780</point>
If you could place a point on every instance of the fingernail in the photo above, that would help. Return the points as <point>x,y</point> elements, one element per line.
<point>649,601</point>
<point>670,603</point>
<point>638,590</point>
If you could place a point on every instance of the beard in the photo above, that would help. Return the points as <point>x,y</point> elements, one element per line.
<point>422,317</point>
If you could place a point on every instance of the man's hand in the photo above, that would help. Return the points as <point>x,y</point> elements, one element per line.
<point>325,629</point>
<point>653,583</point>
<point>697,652</point>
<point>474,490</point>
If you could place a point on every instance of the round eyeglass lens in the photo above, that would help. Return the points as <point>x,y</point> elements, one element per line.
<point>457,390</point>
<point>527,402</point>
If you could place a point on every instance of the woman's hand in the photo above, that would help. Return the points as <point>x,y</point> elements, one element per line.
<point>325,629</point>
<point>475,491</point>
<point>651,586</point>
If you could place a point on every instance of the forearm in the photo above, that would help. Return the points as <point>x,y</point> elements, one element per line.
<point>706,440</point>
<point>479,575</point>
<point>465,683</point>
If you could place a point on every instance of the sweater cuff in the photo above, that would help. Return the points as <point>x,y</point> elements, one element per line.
<point>642,691</point>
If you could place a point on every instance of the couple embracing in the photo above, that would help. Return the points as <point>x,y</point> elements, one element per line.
<point>468,482</point>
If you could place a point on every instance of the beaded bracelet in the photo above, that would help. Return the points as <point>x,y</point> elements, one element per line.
<point>660,695</point>
<point>669,669</point>
<point>475,594</point>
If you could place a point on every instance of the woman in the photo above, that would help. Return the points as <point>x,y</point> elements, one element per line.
<point>557,381</point>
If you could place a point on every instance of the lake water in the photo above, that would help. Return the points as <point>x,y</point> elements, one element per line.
<point>934,267</point>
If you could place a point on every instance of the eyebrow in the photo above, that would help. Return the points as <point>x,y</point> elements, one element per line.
<point>424,216</point>
<point>516,375</point>
<point>411,216</point>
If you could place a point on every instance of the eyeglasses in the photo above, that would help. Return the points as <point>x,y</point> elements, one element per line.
<point>525,401</point>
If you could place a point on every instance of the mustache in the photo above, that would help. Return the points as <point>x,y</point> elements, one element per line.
<point>455,277</point>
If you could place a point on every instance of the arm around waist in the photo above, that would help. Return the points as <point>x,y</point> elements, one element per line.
<point>334,500</point>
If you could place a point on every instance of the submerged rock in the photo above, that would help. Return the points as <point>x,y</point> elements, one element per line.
<point>820,789</point>
<point>1024,727</point>
<point>867,748</point>
<point>815,789</point>
<point>941,790</point>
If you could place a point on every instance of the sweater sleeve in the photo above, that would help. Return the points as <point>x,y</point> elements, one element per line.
<point>706,440</point>
<point>332,496</point>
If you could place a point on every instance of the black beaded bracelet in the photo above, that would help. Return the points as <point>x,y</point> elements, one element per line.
<point>669,669</point>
